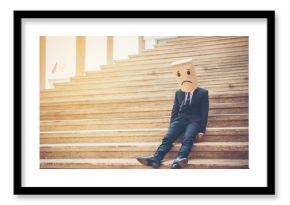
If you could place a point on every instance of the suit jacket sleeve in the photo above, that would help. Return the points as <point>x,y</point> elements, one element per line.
<point>204,112</point>
<point>175,109</point>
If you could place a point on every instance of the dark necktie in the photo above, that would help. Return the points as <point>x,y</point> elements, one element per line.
<point>187,99</point>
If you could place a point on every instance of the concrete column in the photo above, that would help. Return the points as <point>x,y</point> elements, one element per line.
<point>141,43</point>
<point>110,50</point>
<point>42,61</point>
<point>80,55</point>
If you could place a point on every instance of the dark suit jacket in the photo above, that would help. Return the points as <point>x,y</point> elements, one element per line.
<point>197,111</point>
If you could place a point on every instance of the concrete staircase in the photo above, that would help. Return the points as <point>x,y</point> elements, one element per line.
<point>107,118</point>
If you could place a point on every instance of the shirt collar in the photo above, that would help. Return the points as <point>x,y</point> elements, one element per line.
<point>191,92</point>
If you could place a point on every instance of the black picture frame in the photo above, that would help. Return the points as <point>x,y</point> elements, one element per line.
<point>268,190</point>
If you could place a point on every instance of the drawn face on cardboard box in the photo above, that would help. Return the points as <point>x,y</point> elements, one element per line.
<point>185,74</point>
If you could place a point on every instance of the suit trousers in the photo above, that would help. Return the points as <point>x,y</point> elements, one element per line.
<point>177,127</point>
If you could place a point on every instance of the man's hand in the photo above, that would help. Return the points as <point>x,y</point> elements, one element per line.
<point>199,137</point>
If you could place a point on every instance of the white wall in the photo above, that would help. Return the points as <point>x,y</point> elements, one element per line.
<point>124,46</point>
<point>60,50</point>
<point>96,52</point>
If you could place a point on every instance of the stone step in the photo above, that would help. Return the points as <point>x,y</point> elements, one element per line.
<point>140,83</point>
<point>202,74</point>
<point>199,62</point>
<point>193,52</point>
<point>195,49</point>
<point>153,88</point>
<point>204,44</point>
<point>180,40</point>
<point>208,59</point>
<point>164,66</point>
<point>110,111</point>
<point>230,120</point>
<point>219,61</point>
<point>136,100</point>
<point>195,39</point>
<point>201,55</point>
<point>167,49</point>
<point>134,164</point>
<point>230,64</point>
<point>217,150</point>
<point>135,93</point>
<point>93,85</point>
<point>231,134</point>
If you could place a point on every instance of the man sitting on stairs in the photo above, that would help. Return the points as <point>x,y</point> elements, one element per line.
<point>189,116</point>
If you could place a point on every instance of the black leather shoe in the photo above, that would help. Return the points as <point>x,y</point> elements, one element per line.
<point>149,161</point>
<point>179,163</point>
